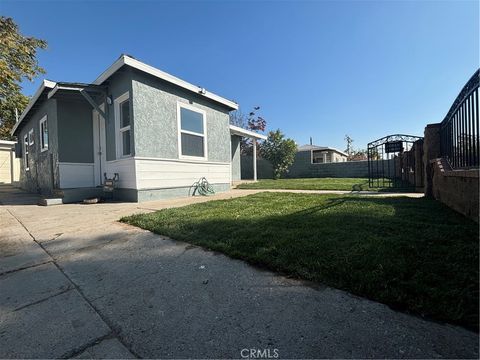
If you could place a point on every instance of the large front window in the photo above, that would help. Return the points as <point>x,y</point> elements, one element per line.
<point>192,131</point>
<point>122,110</point>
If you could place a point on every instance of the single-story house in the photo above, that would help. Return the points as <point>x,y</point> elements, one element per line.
<point>153,132</point>
<point>323,154</point>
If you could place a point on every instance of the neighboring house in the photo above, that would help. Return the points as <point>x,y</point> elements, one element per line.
<point>160,134</point>
<point>323,154</point>
<point>9,165</point>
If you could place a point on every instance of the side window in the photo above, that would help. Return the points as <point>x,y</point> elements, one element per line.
<point>192,132</point>
<point>26,153</point>
<point>43,134</point>
<point>122,114</point>
<point>30,137</point>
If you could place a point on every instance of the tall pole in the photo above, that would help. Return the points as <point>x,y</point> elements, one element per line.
<point>255,159</point>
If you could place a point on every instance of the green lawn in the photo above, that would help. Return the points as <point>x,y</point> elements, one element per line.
<point>413,254</point>
<point>347,184</point>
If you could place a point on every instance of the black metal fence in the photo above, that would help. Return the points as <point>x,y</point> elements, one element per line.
<point>459,131</point>
<point>392,162</point>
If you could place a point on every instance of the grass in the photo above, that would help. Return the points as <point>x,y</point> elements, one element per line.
<point>347,184</point>
<point>413,254</point>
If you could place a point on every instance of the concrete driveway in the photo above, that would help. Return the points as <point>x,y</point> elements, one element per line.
<point>76,283</point>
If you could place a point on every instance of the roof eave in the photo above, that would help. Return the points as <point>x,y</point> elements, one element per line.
<point>45,84</point>
<point>126,60</point>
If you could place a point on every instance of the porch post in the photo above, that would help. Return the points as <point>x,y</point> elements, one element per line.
<point>255,159</point>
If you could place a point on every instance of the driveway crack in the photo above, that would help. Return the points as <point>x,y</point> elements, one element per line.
<point>113,331</point>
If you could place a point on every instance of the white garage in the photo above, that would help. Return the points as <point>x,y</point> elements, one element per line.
<point>9,165</point>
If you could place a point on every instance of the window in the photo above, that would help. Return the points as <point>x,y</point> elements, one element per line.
<point>122,114</point>
<point>317,157</point>
<point>30,137</point>
<point>192,131</point>
<point>25,152</point>
<point>43,134</point>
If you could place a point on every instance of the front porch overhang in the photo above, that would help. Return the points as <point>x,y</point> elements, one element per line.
<point>235,130</point>
<point>238,131</point>
<point>83,89</point>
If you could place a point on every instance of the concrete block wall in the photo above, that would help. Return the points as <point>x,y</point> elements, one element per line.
<point>264,168</point>
<point>302,167</point>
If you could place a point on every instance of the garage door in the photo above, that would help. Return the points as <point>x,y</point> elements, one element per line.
<point>5,166</point>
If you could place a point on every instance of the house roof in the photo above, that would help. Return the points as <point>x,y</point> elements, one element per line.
<point>32,104</point>
<point>122,61</point>
<point>308,147</point>
<point>134,63</point>
<point>235,130</point>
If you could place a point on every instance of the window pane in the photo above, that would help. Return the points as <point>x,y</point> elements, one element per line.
<point>191,120</point>
<point>44,135</point>
<point>192,145</point>
<point>125,113</point>
<point>126,142</point>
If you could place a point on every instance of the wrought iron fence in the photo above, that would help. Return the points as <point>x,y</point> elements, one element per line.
<point>459,131</point>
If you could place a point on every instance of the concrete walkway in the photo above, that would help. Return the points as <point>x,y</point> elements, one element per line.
<point>76,283</point>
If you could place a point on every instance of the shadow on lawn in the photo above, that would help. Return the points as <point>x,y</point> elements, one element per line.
<point>421,257</point>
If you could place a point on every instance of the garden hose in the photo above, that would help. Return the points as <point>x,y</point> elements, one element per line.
<point>203,187</point>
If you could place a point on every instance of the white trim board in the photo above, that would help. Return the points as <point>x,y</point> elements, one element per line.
<point>127,60</point>
<point>118,131</point>
<point>235,130</point>
<point>189,161</point>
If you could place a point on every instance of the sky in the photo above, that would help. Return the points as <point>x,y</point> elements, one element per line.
<point>319,69</point>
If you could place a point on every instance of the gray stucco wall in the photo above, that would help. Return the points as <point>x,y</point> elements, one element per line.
<point>75,131</point>
<point>42,176</point>
<point>236,167</point>
<point>155,113</point>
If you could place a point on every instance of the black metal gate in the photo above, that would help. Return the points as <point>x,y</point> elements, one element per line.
<point>394,161</point>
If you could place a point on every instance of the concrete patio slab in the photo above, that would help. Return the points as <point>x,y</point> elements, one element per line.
<point>106,349</point>
<point>17,250</point>
<point>22,288</point>
<point>57,327</point>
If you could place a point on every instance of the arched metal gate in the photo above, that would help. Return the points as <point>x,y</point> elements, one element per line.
<point>394,161</point>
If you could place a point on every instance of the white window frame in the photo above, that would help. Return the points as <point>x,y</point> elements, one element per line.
<point>43,147</point>
<point>25,152</point>
<point>118,130</point>
<point>31,140</point>
<point>181,105</point>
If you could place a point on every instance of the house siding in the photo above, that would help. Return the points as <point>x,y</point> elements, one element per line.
<point>160,171</point>
<point>236,165</point>
<point>42,176</point>
<point>155,113</point>
<point>75,131</point>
